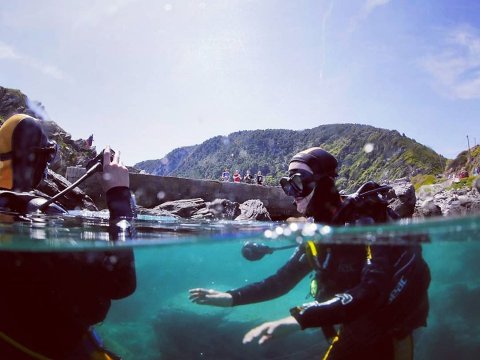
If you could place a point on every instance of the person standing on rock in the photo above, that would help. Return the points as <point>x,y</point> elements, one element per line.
<point>259,178</point>
<point>375,295</point>
<point>237,177</point>
<point>226,175</point>
<point>248,178</point>
<point>52,299</point>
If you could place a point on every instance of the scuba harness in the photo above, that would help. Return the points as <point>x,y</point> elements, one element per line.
<point>364,207</point>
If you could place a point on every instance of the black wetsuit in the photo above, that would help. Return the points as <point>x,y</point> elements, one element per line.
<point>49,300</point>
<point>374,300</point>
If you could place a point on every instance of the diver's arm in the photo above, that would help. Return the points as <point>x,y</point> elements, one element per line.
<point>115,182</point>
<point>122,212</point>
<point>272,287</point>
<point>119,263</point>
<point>271,329</point>
<point>371,292</point>
<point>210,297</point>
<point>276,285</point>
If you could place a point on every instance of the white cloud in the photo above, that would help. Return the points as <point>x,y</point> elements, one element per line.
<point>7,52</point>
<point>370,5</point>
<point>456,66</point>
<point>48,70</point>
<point>325,18</point>
<point>100,11</point>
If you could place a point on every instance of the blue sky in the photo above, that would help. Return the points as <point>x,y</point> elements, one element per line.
<point>147,76</point>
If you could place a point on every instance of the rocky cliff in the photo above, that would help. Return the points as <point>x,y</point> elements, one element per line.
<point>70,152</point>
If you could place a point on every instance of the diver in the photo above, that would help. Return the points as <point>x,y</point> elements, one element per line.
<point>51,300</point>
<point>367,298</point>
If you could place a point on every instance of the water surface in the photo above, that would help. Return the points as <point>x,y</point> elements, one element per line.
<point>172,256</point>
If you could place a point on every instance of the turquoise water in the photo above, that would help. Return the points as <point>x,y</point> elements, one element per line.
<point>159,322</point>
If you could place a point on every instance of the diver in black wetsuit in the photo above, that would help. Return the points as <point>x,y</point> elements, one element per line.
<point>375,295</point>
<point>50,300</point>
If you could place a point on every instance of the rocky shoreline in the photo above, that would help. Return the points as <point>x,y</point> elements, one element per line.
<point>439,200</point>
<point>429,201</point>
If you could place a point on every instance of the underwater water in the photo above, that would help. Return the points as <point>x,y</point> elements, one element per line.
<point>159,322</point>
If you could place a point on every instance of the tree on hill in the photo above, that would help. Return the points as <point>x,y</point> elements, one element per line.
<point>392,155</point>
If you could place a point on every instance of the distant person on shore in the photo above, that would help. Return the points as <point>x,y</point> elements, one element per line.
<point>237,177</point>
<point>259,178</point>
<point>248,178</point>
<point>376,294</point>
<point>226,175</point>
<point>51,300</point>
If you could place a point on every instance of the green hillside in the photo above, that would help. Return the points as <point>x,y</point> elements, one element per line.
<point>393,155</point>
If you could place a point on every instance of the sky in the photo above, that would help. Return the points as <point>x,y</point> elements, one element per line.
<point>148,76</point>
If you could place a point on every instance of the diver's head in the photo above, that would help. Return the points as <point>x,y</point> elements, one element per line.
<point>311,183</point>
<point>25,152</point>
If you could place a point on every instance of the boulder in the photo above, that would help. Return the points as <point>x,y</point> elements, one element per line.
<point>222,209</point>
<point>476,184</point>
<point>429,209</point>
<point>74,200</point>
<point>183,208</point>
<point>402,198</point>
<point>253,210</point>
<point>216,210</point>
<point>154,212</point>
<point>451,203</point>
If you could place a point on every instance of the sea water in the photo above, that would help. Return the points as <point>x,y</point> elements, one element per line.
<point>171,256</point>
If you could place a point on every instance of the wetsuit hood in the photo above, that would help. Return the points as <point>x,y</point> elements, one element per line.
<point>22,165</point>
<point>325,199</point>
<point>320,161</point>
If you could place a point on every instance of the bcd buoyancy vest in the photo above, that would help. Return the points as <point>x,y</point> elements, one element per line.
<point>338,267</point>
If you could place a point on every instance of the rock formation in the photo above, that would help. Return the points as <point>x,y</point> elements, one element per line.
<point>449,203</point>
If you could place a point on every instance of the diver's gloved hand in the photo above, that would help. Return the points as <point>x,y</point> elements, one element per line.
<point>210,297</point>
<point>272,329</point>
<point>114,174</point>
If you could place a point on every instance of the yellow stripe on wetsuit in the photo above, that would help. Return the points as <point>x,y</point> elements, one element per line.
<point>22,348</point>
<point>99,354</point>
<point>334,340</point>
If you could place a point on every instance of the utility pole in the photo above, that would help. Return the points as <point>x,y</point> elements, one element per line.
<point>469,154</point>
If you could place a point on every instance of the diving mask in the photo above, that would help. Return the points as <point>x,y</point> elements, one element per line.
<point>300,183</point>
